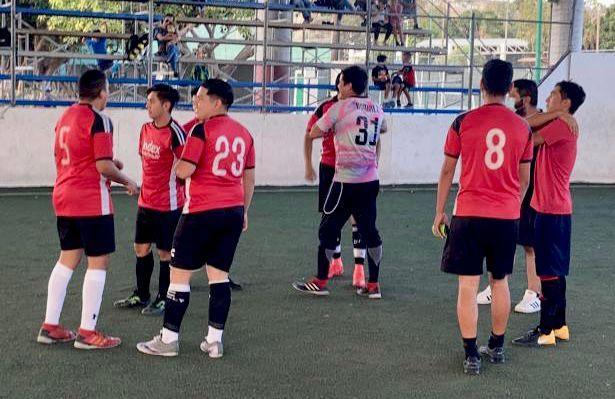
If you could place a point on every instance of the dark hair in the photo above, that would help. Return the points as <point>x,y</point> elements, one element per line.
<point>497,77</point>
<point>194,91</point>
<point>169,15</point>
<point>164,93</point>
<point>221,89</point>
<point>91,84</point>
<point>357,77</point>
<point>337,80</point>
<point>527,88</point>
<point>381,58</point>
<point>573,92</point>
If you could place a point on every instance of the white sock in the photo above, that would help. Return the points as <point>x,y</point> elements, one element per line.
<point>214,335</point>
<point>359,252</point>
<point>56,292</point>
<point>338,249</point>
<point>93,287</point>
<point>169,336</point>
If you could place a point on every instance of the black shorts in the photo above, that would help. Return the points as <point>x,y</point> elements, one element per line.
<point>526,226</point>
<point>344,200</point>
<point>552,244</point>
<point>207,238</point>
<point>325,178</point>
<point>471,240</point>
<point>94,234</point>
<point>156,227</point>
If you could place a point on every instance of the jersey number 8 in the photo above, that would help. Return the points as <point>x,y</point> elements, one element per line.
<point>223,148</point>
<point>495,149</point>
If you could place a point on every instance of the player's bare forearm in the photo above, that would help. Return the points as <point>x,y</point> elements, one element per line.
<point>184,169</point>
<point>307,150</point>
<point>109,170</point>
<point>249,180</point>
<point>542,118</point>
<point>445,182</point>
<point>537,139</point>
<point>316,132</point>
<point>378,150</point>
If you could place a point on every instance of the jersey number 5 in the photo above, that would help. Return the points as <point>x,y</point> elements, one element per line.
<point>495,150</point>
<point>361,139</point>
<point>65,161</point>
<point>224,148</point>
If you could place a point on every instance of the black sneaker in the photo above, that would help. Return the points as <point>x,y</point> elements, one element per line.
<point>156,308</point>
<point>132,301</point>
<point>471,365</point>
<point>234,285</point>
<point>310,287</point>
<point>535,338</point>
<point>496,355</point>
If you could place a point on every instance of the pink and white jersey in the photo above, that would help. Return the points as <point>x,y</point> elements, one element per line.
<point>356,124</point>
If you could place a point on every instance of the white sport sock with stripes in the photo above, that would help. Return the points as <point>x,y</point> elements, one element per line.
<point>56,292</point>
<point>93,287</point>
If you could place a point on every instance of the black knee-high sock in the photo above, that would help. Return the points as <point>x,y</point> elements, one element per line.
<point>175,308</point>
<point>469,346</point>
<point>548,304</point>
<point>560,315</point>
<point>163,278</point>
<point>324,258</point>
<point>219,304</point>
<point>358,246</point>
<point>144,269</point>
<point>374,256</point>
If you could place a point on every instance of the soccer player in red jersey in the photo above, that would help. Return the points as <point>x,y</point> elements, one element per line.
<point>218,165</point>
<point>161,143</point>
<point>82,203</point>
<point>495,146</point>
<point>557,143</point>
<point>326,170</point>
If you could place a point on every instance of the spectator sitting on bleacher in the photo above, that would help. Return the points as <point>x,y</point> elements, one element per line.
<point>380,20</point>
<point>404,80</point>
<point>382,80</point>
<point>168,37</point>
<point>410,11</point>
<point>201,72</point>
<point>98,45</point>
<point>305,5</point>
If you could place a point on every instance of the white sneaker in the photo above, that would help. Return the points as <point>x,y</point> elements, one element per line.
<point>484,297</point>
<point>529,304</point>
<point>214,350</point>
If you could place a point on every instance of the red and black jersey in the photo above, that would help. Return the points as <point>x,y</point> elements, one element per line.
<point>221,148</point>
<point>160,148</point>
<point>327,155</point>
<point>492,141</point>
<point>190,124</point>
<point>83,136</point>
<point>407,75</point>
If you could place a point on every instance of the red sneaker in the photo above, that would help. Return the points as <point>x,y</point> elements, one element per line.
<point>95,340</point>
<point>372,291</point>
<point>358,277</point>
<point>53,334</point>
<point>336,268</point>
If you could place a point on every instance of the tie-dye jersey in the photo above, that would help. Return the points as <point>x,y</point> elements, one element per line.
<point>356,123</point>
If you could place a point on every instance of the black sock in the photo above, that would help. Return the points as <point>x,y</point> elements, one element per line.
<point>469,346</point>
<point>496,341</point>
<point>548,305</point>
<point>324,258</point>
<point>357,244</point>
<point>337,255</point>
<point>219,304</point>
<point>163,278</point>
<point>144,269</point>
<point>374,256</point>
<point>560,314</point>
<point>175,307</point>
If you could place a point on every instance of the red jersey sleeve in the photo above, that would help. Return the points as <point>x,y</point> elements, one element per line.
<point>528,153</point>
<point>101,135</point>
<point>141,140</point>
<point>555,131</point>
<point>178,139</point>
<point>251,157</point>
<point>452,146</point>
<point>194,145</point>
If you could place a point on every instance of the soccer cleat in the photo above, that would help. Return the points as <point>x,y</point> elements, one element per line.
<point>215,350</point>
<point>484,297</point>
<point>314,287</point>
<point>95,340</point>
<point>372,291</point>
<point>54,334</point>
<point>529,304</point>
<point>336,268</point>
<point>534,338</point>
<point>471,365</point>
<point>132,301</point>
<point>155,308</point>
<point>156,347</point>
<point>563,334</point>
<point>495,355</point>
<point>358,276</point>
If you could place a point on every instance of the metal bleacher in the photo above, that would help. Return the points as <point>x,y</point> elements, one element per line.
<point>274,62</point>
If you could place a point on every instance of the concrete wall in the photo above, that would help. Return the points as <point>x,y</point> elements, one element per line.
<point>411,152</point>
